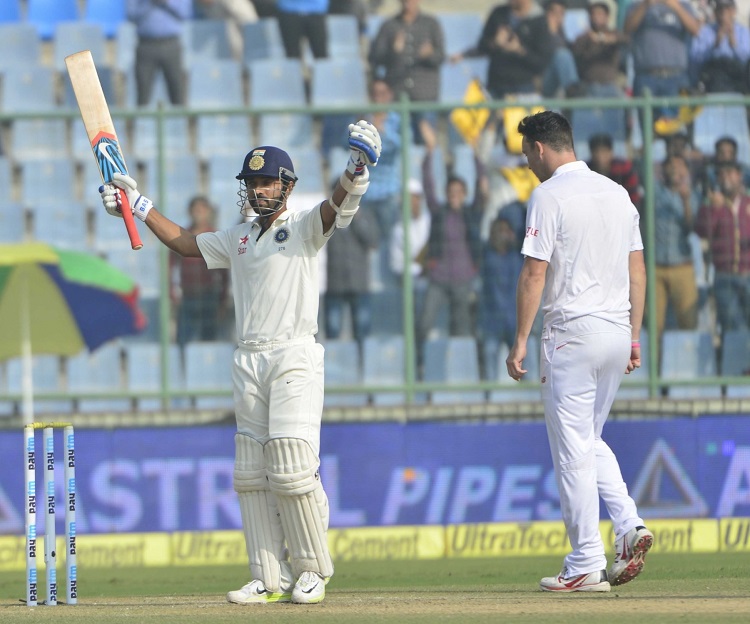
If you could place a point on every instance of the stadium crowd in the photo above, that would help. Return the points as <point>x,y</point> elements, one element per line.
<point>468,185</point>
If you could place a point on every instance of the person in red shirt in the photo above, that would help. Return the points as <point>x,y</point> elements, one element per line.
<point>724,222</point>
<point>620,170</point>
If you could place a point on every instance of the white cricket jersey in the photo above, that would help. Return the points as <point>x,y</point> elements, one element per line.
<point>274,277</point>
<point>585,226</point>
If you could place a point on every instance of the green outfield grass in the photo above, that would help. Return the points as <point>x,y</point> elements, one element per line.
<point>673,588</point>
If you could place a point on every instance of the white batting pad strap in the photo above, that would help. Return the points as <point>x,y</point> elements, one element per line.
<point>294,479</point>
<point>358,186</point>
<point>261,523</point>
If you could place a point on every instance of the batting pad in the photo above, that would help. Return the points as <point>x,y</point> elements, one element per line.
<point>294,479</point>
<point>264,537</point>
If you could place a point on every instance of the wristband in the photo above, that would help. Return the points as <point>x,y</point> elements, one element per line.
<point>635,344</point>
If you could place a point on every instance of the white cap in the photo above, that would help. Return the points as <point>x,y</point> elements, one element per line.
<point>415,187</point>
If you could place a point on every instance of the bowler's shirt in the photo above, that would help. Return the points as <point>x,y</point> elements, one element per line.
<point>585,226</point>
<point>274,277</point>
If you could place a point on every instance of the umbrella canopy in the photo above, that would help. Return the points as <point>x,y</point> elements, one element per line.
<point>60,302</point>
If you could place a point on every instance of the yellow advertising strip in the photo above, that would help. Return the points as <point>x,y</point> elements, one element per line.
<point>387,543</point>
<point>506,540</point>
<point>205,548</point>
<point>734,534</point>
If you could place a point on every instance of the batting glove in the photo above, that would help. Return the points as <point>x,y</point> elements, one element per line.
<point>112,200</point>
<point>365,144</point>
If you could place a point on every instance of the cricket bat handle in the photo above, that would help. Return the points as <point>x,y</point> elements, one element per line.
<point>127,216</point>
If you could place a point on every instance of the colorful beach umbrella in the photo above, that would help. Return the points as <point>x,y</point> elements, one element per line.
<point>59,302</point>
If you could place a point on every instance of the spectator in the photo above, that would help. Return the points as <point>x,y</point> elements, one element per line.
<point>725,151</point>
<point>720,52</point>
<point>724,222</point>
<point>676,204</point>
<point>501,265</point>
<point>660,32</point>
<point>620,170</point>
<point>453,250</point>
<point>598,51</point>
<point>561,73</point>
<point>680,145</point>
<point>159,24</point>
<point>236,12</point>
<point>419,234</point>
<point>201,297</point>
<point>306,19</point>
<point>408,52</point>
<point>348,276</point>
<point>516,39</point>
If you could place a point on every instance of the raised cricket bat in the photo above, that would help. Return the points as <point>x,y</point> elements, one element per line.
<point>100,129</point>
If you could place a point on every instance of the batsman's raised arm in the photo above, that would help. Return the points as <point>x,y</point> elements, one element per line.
<point>172,235</point>
<point>365,145</point>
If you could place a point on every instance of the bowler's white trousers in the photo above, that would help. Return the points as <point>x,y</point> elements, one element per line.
<point>581,370</point>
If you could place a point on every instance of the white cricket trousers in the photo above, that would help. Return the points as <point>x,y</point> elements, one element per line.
<point>278,390</point>
<point>581,370</point>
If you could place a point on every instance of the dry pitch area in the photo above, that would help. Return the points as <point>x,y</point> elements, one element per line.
<point>674,588</point>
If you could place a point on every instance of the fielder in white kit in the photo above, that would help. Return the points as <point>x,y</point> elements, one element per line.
<point>584,262</point>
<point>278,366</point>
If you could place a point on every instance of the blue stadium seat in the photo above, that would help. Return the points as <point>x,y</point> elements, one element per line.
<point>717,120</point>
<point>688,354</point>
<point>181,179</point>
<point>452,360</point>
<point>95,372</point>
<point>47,378</point>
<point>518,393</point>
<point>387,311</point>
<point>383,364</point>
<point>342,369</point>
<point>61,223</point>
<point>589,121</point>
<point>6,180</point>
<point>12,221</point>
<point>46,14</point>
<point>223,188</point>
<point>223,134</point>
<point>208,368</point>
<point>343,36</point>
<point>75,36</point>
<point>59,182</point>
<point>19,45</point>
<point>10,11</point>
<point>215,83</point>
<point>145,138</point>
<point>455,78</point>
<point>338,82</point>
<point>109,14</point>
<point>109,232</point>
<point>126,40</point>
<point>107,80</point>
<point>575,23</point>
<point>735,361</point>
<point>374,22</point>
<point>262,40</point>
<point>461,30</point>
<point>291,130</point>
<point>276,83</point>
<point>39,139</point>
<point>143,373</point>
<point>204,40</point>
<point>28,88</point>
<point>308,166</point>
<point>159,94</point>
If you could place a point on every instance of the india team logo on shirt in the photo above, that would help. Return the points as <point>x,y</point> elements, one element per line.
<point>282,235</point>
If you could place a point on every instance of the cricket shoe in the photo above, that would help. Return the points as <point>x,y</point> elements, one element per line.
<point>255,592</point>
<point>564,584</point>
<point>630,555</point>
<point>310,588</point>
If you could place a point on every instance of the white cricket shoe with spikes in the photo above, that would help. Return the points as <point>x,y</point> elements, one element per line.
<point>630,555</point>
<point>255,592</point>
<point>310,588</point>
<point>565,584</point>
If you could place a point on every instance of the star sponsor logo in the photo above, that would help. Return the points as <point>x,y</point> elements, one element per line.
<point>243,245</point>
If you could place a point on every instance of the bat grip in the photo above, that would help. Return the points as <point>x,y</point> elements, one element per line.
<point>127,216</point>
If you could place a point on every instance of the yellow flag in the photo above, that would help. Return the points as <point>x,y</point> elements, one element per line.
<point>522,180</point>
<point>511,118</point>
<point>471,121</point>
